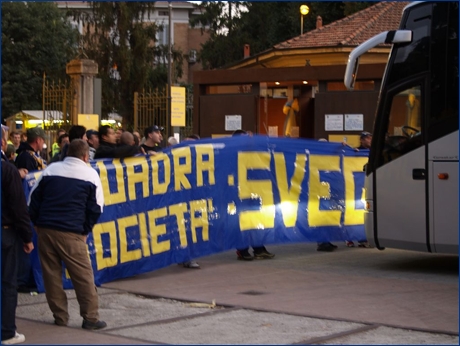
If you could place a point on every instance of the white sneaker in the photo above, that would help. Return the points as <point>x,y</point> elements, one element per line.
<point>191,264</point>
<point>17,339</point>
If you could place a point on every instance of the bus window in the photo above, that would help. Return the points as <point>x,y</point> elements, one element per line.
<point>404,132</point>
<point>443,114</point>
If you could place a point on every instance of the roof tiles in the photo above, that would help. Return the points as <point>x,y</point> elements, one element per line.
<point>352,30</point>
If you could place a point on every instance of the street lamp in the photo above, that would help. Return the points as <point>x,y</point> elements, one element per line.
<point>303,11</point>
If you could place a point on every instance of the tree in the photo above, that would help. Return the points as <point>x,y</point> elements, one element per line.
<point>36,39</point>
<point>121,39</point>
<point>262,25</point>
<point>218,20</point>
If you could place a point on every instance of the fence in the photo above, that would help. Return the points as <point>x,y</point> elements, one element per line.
<point>151,108</point>
<point>57,108</point>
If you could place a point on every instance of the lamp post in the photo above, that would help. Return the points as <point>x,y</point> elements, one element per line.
<point>168,117</point>
<point>304,9</point>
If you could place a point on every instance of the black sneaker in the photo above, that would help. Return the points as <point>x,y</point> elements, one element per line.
<point>244,255</point>
<point>264,254</point>
<point>26,289</point>
<point>328,247</point>
<point>93,325</point>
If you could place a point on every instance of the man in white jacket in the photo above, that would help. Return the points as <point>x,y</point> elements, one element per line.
<point>64,205</point>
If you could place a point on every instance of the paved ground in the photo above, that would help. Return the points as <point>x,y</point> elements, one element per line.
<point>350,296</point>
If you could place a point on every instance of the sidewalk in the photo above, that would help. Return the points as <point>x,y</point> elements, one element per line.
<point>348,296</point>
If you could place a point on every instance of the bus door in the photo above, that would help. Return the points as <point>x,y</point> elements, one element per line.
<point>400,185</point>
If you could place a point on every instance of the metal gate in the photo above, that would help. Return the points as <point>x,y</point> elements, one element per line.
<point>57,107</point>
<point>151,108</point>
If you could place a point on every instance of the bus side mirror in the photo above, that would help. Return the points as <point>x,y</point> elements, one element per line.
<point>388,37</point>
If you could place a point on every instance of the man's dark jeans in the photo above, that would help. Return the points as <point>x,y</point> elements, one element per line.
<point>10,241</point>
<point>25,276</point>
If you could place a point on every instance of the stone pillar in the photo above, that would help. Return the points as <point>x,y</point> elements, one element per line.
<point>82,72</point>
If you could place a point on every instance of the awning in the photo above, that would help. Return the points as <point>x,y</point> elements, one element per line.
<point>35,115</point>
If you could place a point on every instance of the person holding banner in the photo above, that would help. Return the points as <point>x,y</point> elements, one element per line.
<point>108,147</point>
<point>325,246</point>
<point>192,263</point>
<point>92,137</point>
<point>153,138</point>
<point>62,230</point>
<point>365,140</point>
<point>260,252</point>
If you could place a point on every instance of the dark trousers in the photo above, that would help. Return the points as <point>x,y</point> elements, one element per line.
<point>9,276</point>
<point>25,274</point>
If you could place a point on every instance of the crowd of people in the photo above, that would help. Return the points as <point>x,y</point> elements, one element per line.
<point>62,227</point>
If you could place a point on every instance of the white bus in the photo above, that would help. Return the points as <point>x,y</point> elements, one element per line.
<point>412,177</point>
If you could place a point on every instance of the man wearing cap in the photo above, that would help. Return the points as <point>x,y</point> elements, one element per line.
<point>29,152</point>
<point>153,138</point>
<point>92,137</point>
<point>365,140</point>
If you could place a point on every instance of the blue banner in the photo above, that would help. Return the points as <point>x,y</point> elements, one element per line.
<point>208,196</point>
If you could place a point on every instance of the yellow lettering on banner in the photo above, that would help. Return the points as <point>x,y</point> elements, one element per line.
<point>202,165</point>
<point>289,196</point>
<point>99,229</point>
<point>181,169</point>
<point>125,254</point>
<point>115,197</point>
<point>351,165</point>
<point>140,177</point>
<point>144,235</point>
<point>260,189</point>
<point>320,189</point>
<point>160,188</point>
<point>157,230</point>
<point>199,207</point>
<point>179,210</point>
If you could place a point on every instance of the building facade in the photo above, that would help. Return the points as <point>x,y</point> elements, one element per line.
<point>184,38</point>
<point>309,68</point>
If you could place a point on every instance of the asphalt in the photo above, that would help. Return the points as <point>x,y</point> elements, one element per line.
<point>349,296</point>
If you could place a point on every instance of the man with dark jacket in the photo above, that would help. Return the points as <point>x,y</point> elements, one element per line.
<point>29,152</point>
<point>62,141</point>
<point>62,230</point>
<point>260,252</point>
<point>153,139</point>
<point>16,230</point>
<point>108,147</point>
<point>75,132</point>
<point>29,158</point>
